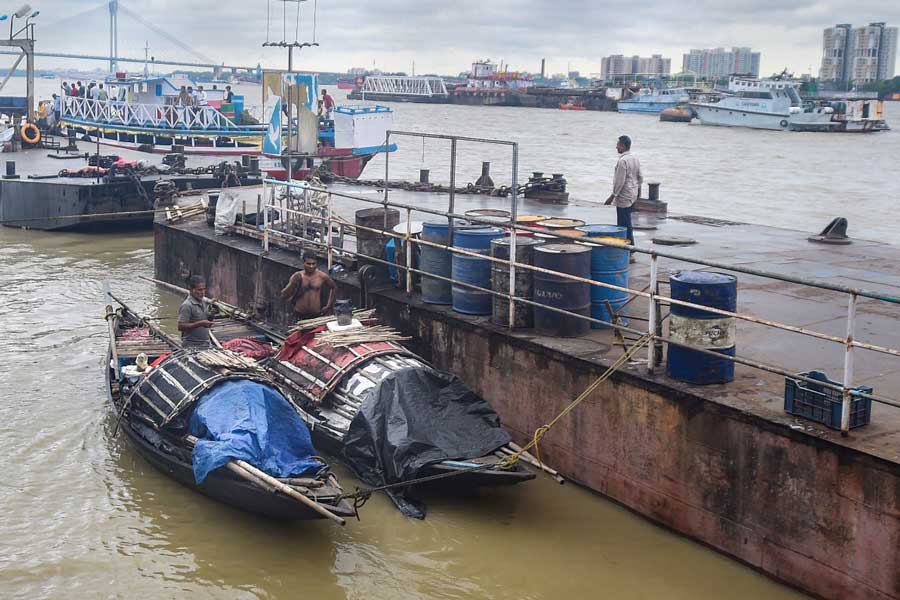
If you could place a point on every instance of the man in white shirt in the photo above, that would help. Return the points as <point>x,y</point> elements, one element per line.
<point>626,186</point>
<point>57,108</point>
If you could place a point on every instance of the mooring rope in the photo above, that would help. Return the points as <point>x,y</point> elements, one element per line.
<point>361,495</point>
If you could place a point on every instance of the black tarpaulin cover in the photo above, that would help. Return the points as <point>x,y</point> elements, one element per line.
<point>415,418</point>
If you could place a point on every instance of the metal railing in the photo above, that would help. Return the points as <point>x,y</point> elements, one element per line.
<point>89,111</point>
<point>324,212</point>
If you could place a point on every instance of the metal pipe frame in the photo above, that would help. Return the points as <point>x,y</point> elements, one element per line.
<point>654,299</point>
<point>736,359</point>
<point>861,292</point>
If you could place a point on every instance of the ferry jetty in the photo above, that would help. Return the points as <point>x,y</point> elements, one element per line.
<point>158,113</point>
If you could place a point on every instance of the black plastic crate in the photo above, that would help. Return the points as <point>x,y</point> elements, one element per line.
<point>824,404</point>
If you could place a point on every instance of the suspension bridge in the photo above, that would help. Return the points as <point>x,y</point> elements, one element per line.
<point>114,7</point>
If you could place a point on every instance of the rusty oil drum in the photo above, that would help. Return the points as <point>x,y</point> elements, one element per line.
<point>701,328</point>
<point>524,281</point>
<point>556,291</point>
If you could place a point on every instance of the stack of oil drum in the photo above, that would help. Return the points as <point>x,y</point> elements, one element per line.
<point>597,257</point>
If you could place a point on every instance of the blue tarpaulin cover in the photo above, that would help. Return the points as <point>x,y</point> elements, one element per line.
<point>250,421</point>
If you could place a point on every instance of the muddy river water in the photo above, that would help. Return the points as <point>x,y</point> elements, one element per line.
<point>84,517</point>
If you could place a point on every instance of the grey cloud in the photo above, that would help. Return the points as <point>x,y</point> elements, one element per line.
<point>445,36</point>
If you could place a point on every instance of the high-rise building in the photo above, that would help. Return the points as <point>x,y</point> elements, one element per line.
<point>835,46</point>
<point>714,63</point>
<point>858,55</point>
<point>617,64</point>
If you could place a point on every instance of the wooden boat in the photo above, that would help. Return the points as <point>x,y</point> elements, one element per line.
<point>162,438</point>
<point>330,384</point>
<point>677,114</point>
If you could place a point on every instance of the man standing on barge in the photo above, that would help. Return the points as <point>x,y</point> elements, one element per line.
<point>304,290</point>
<point>626,186</point>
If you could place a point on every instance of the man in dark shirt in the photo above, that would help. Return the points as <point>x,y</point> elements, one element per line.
<point>304,290</point>
<point>194,318</point>
<point>229,95</point>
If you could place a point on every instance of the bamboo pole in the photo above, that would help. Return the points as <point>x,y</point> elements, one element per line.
<point>531,460</point>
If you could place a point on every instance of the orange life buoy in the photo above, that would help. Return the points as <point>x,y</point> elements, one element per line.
<point>32,129</point>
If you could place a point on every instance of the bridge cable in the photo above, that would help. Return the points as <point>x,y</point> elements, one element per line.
<point>67,20</point>
<point>166,35</point>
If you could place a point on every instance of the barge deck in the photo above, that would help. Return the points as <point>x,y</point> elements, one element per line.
<point>722,464</point>
<point>38,197</point>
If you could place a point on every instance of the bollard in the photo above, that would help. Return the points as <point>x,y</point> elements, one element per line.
<point>653,192</point>
<point>485,180</point>
<point>71,137</point>
<point>423,175</point>
<point>559,182</point>
<point>10,169</point>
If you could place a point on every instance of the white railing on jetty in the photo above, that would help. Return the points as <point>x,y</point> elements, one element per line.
<point>301,205</point>
<point>404,86</point>
<point>88,111</point>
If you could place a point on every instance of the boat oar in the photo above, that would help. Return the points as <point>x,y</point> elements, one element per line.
<point>247,471</point>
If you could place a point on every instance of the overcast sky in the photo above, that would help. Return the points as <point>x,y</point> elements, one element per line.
<point>445,36</point>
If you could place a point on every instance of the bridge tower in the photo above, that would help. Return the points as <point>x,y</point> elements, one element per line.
<point>113,35</point>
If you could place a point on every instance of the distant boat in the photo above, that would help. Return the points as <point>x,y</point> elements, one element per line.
<point>655,100</point>
<point>346,83</point>
<point>570,106</point>
<point>143,113</point>
<point>48,76</point>
<point>775,104</point>
<point>677,114</point>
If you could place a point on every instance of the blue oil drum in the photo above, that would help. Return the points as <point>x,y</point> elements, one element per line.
<point>476,271</point>
<point>609,264</point>
<point>702,328</point>
<point>561,293</point>
<point>437,261</point>
<point>390,252</point>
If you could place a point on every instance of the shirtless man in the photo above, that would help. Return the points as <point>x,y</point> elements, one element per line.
<point>304,290</point>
